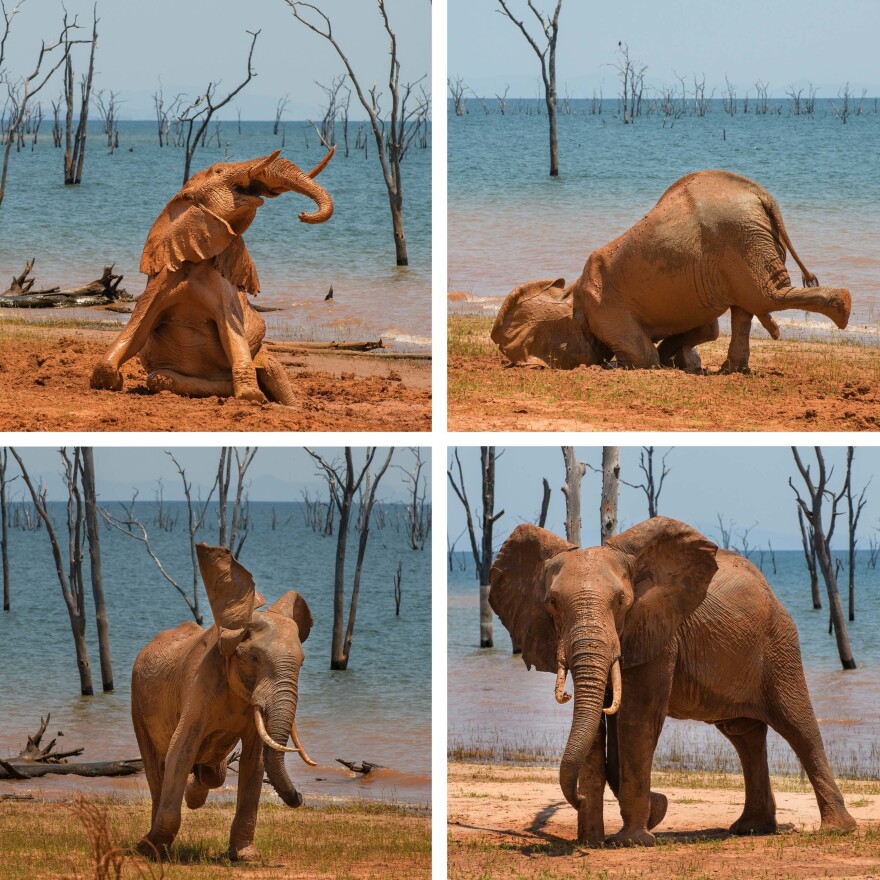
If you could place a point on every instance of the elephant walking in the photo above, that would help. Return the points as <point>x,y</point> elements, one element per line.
<point>677,628</point>
<point>714,241</point>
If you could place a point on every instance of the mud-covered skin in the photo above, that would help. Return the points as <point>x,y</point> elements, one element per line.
<point>193,329</point>
<point>698,634</point>
<point>715,241</point>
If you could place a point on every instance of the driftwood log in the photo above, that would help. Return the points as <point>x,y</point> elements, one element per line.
<point>101,291</point>
<point>326,346</point>
<point>363,767</point>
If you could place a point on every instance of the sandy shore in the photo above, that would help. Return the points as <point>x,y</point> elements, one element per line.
<point>45,375</point>
<point>795,385</point>
<point>514,822</point>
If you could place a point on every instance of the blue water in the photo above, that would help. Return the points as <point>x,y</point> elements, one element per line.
<point>510,222</point>
<point>497,705</point>
<point>74,231</point>
<point>378,710</point>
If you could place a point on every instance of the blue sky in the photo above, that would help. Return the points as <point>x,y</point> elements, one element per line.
<point>747,485</point>
<point>275,475</point>
<point>191,42</point>
<point>779,42</point>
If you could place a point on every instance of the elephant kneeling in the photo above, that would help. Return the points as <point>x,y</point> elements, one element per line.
<point>197,692</point>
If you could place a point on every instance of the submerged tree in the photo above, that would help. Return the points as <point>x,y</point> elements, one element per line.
<point>75,142</point>
<point>549,26</point>
<point>4,526</point>
<point>394,137</point>
<point>854,508</point>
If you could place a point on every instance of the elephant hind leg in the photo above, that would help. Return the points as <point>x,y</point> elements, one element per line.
<point>738,350</point>
<point>188,386</point>
<point>833,302</point>
<point>749,738</point>
<point>203,778</point>
<point>273,379</point>
<point>678,350</point>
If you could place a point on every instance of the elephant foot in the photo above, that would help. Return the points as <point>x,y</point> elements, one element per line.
<point>106,378</point>
<point>839,823</point>
<point>246,854</point>
<point>158,852</point>
<point>659,805</point>
<point>727,368</point>
<point>254,395</point>
<point>591,830</point>
<point>840,307</point>
<point>635,837</point>
<point>745,826</point>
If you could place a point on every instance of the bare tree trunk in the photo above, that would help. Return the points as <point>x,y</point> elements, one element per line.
<point>545,504</point>
<point>610,478</point>
<point>4,529</point>
<point>854,511</point>
<point>574,473</point>
<point>94,539</point>
<point>810,556</point>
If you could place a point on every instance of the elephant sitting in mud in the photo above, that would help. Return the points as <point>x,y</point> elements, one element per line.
<point>193,327</point>
<point>679,628</point>
<point>715,241</point>
<point>197,692</point>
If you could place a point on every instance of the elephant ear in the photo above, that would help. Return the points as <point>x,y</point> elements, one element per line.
<point>231,592</point>
<point>517,592</point>
<point>292,605</point>
<point>671,567</point>
<point>237,267</point>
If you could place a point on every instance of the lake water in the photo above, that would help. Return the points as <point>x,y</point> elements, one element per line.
<point>499,709</point>
<point>378,710</point>
<point>74,231</point>
<point>509,222</point>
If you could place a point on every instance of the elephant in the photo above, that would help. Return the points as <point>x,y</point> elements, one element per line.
<point>673,627</point>
<point>193,327</point>
<point>197,692</point>
<point>714,241</point>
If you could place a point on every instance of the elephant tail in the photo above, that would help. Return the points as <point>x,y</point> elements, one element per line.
<point>772,209</point>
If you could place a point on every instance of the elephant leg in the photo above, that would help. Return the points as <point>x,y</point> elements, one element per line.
<point>273,378</point>
<point>153,768</point>
<point>626,338</point>
<point>833,302</point>
<point>738,350</point>
<point>678,350</point>
<point>203,778</point>
<point>230,327</point>
<point>749,738</point>
<point>591,788</point>
<point>188,386</point>
<point>250,782</point>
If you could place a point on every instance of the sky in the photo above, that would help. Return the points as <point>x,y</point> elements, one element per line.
<point>747,485</point>
<point>275,474</point>
<point>779,42</point>
<point>192,42</point>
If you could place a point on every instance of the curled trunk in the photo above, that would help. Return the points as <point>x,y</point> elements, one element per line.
<point>279,720</point>
<point>284,176</point>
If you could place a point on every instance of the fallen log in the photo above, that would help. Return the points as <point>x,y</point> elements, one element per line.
<point>101,291</point>
<point>34,753</point>
<point>363,767</point>
<point>326,346</point>
<point>15,770</point>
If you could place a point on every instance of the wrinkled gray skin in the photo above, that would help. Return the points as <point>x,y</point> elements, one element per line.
<point>194,694</point>
<point>714,241</point>
<point>697,633</point>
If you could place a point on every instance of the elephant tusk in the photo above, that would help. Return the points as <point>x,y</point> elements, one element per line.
<point>264,736</point>
<point>322,164</point>
<point>561,695</point>
<point>299,748</point>
<point>616,687</point>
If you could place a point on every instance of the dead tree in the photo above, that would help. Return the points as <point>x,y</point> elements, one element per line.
<point>398,594</point>
<point>822,539</point>
<point>196,116</point>
<point>810,558</point>
<point>843,110</point>
<point>483,553</point>
<point>417,509</point>
<point>457,88</point>
<point>108,110</point>
<point>652,485</point>
<point>545,504</point>
<point>279,112</point>
<point>547,56</point>
<point>610,479</point>
<point>725,531</point>
<point>4,526</point>
<point>393,137</point>
<point>70,580</point>
<point>75,143</point>
<point>854,511</point>
<point>574,473</point>
<point>344,484</point>
<point>502,100</point>
<point>327,132</point>
<point>632,80</point>
<point>31,85</point>
<point>35,752</point>
<point>233,531</point>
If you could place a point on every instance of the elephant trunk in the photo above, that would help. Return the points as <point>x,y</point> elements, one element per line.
<point>279,721</point>
<point>283,176</point>
<point>590,662</point>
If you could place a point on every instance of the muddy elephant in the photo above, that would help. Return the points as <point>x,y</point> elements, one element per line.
<point>715,241</point>
<point>197,692</point>
<point>193,328</point>
<point>659,622</point>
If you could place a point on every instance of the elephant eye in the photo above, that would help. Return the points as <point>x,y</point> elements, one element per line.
<point>621,598</point>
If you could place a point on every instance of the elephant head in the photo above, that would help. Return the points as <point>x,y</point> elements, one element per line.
<point>208,216</point>
<point>538,325</point>
<point>263,653</point>
<point>591,611</point>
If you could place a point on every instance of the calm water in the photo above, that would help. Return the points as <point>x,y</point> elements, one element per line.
<point>509,222</point>
<point>74,231</point>
<point>496,704</point>
<point>378,710</point>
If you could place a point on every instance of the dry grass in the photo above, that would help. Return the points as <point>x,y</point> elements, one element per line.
<point>795,385</point>
<point>41,839</point>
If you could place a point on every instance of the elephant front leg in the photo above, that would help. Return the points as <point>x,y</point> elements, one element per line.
<point>273,378</point>
<point>250,782</point>
<point>230,326</point>
<point>591,788</point>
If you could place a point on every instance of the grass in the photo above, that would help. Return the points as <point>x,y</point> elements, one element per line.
<point>41,839</point>
<point>34,325</point>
